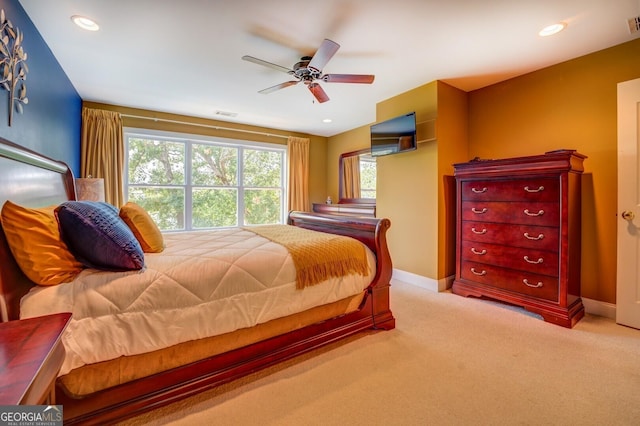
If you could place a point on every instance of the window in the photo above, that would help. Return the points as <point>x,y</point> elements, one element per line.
<point>188,183</point>
<point>367,176</point>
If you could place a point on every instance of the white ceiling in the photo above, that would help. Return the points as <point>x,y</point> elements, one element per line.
<point>184,56</point>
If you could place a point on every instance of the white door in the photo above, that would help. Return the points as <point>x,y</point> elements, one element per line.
<point>628,285</point>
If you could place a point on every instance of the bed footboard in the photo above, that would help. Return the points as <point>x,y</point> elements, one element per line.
<point>373,233</point>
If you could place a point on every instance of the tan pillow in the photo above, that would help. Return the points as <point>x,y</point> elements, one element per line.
<point>143,227</point>
<point>34,239</point>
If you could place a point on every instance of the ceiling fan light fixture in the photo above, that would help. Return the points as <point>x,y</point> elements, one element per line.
<point>552,29</point>
<point>85,23</point>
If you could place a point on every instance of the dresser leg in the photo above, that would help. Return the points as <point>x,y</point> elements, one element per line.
<point>565,318</point>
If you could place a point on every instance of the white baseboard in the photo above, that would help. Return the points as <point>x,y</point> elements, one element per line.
<point>421,281</point>
<point>602,309</point>
<point>593,307</point>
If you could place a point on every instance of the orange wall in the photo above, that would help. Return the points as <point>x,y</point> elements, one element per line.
<point>569,105</point>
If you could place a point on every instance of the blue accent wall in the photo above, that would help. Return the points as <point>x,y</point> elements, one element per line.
<point>51,121</point>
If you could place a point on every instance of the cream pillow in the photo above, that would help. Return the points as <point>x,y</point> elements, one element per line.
<point>34,239</point>
<point>143,227</point>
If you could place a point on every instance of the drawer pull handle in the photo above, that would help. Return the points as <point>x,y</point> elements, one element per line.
<point>483,272</point>
<point>540,188</point>
<point>529,237</point>
<point>532,285</point>
<point>480,252</point>
<point>479,191</point>
<point>528,213</point>
<point>484,231</point>
<point>476,211</point>
<point>533,261</point>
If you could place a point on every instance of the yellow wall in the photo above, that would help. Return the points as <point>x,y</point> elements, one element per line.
<point>415,190</point>
<point>569,105</point>
<point>452,138</point>
<point>407,188</point>
<point>202,126</point>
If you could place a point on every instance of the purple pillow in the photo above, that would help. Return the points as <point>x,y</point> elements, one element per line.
<point>98,237</point>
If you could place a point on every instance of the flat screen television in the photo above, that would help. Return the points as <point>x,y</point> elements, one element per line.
<point>394,136</point>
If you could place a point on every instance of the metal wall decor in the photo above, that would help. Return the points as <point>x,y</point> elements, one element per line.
<point>13,66</point>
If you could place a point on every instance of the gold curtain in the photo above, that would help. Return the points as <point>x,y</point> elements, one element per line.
<point>351,176</point>
<point>102,151</point>
<point>298,152</point>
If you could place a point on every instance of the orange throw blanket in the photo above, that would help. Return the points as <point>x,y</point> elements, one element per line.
<point>317,255</point>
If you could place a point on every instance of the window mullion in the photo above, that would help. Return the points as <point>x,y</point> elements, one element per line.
<point>188,186</point>
<point>240,183</point>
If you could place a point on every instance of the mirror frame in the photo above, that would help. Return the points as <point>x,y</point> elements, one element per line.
<point>367,201</point>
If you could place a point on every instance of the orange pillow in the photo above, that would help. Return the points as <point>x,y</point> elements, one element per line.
<point>143,227</point>
<point>34,239</point>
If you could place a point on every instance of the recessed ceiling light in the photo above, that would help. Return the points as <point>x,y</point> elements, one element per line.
<point>327,120</point>
<point>85,23</point>
<point>552,29</point>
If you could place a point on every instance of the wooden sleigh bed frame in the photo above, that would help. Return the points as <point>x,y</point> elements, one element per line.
<point>33,180</point>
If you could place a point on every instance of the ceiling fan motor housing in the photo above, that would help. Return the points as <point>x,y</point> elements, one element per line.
<point>302,71</point>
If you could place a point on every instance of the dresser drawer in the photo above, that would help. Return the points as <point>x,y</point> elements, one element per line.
<point>534,213</point>
<point>523,259</point>
<point>535,237</point>
<point>531,189</point>
<point>526,283</point>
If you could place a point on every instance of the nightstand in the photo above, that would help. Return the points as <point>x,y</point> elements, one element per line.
<point>31,355</point>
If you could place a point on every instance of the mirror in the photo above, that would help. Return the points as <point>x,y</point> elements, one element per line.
<point>357,177</point>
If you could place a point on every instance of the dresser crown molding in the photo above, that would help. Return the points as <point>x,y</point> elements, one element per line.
<point>550,162</point>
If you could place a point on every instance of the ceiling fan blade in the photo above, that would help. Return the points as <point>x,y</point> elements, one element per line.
<point>318,92</point>
<point>278,87</point>
<point>348,78</point>
<point>324,53</point>
<point>267,64</point>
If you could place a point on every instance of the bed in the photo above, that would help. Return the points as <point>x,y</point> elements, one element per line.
<point>106,391</point>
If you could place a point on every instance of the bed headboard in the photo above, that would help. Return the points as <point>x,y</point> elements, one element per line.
<point>32,180</point>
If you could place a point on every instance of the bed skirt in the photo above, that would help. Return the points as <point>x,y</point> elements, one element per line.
<point>91,378</point>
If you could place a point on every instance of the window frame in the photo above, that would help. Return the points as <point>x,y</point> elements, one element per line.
<point>364,158</point>
<point>191,139</point>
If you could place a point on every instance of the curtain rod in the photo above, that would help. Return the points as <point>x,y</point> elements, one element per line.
<point>211,126</point>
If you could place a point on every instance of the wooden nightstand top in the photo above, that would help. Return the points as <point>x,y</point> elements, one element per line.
<point>31,354</point>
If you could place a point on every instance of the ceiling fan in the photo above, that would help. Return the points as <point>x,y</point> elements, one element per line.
<point>309,69</point>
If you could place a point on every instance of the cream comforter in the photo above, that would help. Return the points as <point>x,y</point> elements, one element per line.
<point>203,284</point>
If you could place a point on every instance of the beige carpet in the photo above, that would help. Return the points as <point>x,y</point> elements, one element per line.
<point>450,361</point>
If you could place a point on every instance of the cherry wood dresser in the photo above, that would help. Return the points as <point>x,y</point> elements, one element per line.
<point>518,233</point>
